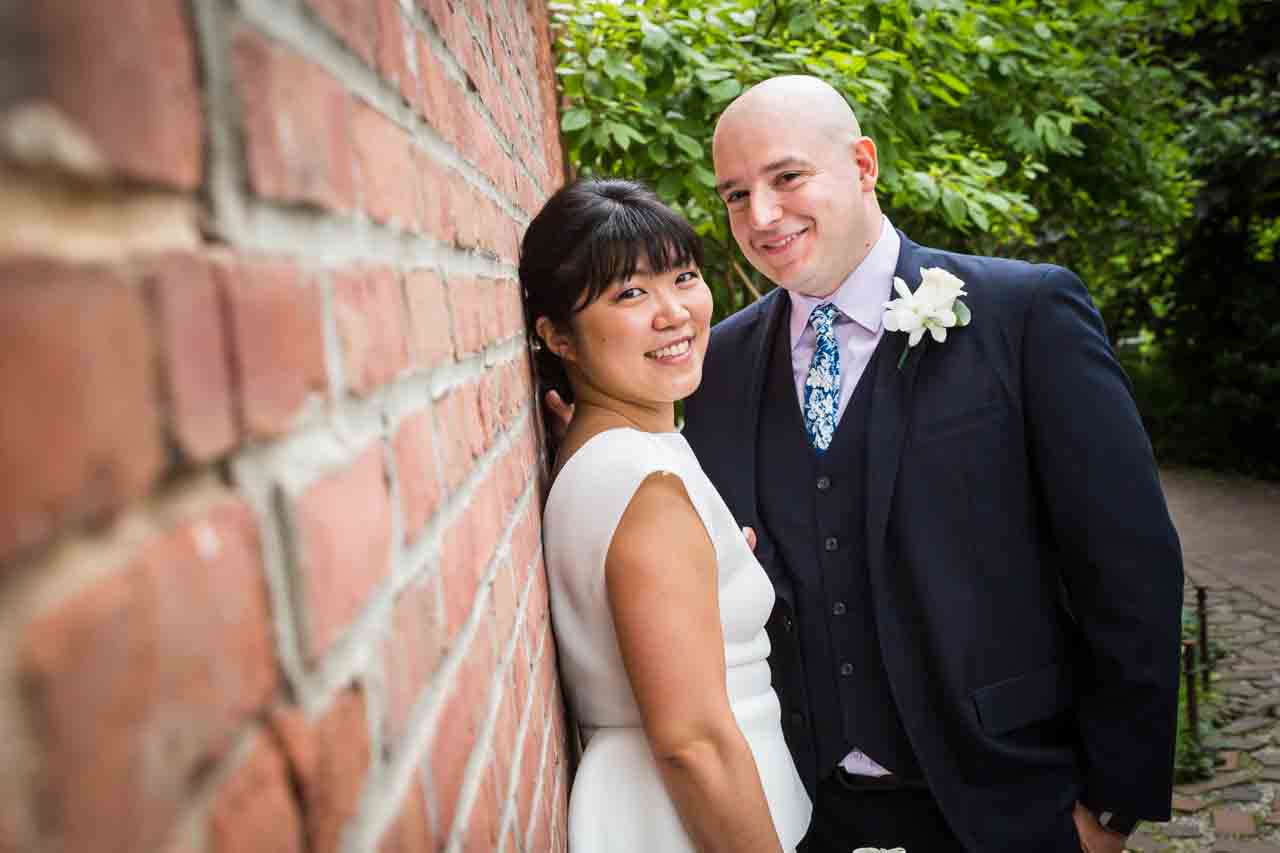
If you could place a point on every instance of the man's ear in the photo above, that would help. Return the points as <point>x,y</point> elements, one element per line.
<point>555,339</point>
<point>867,162</point>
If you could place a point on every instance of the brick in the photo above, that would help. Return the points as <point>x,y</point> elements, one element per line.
<point>459,432</point>
<point>470,310</point>
<point>530,768</point>
<point>254,808</point>
<point>431,340</point>
<point>504,605</point>
<point>410,832</point>
<point>526,542</point>
<point>420,491</point>
<point>1187,804</point>
<point>504,739</point>
<point>124,74</point>
<point>140,680</point>
<point>444,102</point>
<point>371,318</point>
<point>1234,821</point>
<point>277,324</point>
<point>455,738</point>
<point>508,308</point>
<point>296,126</point>
<point>384,156</point>
<point>469,545</point>
<point>521,670</point>
<point>330,758</point>
<point>80,435</point>
<point>414,648</point>
<point>393,57</point>
<point>438,188</point>
<point>194,351</point>
<point>482,822</point>
<point>343,525</point>
<point>351,22</point>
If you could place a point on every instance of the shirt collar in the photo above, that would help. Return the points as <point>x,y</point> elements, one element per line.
<point>862,295</point>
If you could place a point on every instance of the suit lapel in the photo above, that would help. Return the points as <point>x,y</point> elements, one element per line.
<point>890,418</point>
<point>774,309</point>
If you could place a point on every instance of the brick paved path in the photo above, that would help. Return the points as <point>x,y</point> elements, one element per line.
<point>1230,531</point>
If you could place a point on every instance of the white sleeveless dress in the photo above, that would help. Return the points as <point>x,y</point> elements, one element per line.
<point>618,803</point>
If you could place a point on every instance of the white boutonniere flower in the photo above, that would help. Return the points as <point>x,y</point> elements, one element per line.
<point>933,308</point>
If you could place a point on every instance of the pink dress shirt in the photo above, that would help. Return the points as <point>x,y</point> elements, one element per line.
<point>860,300</point>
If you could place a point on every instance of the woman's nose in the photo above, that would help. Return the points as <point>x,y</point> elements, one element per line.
<point>672,309</point>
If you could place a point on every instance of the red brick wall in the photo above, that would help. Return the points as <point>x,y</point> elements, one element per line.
<point>270,575</point>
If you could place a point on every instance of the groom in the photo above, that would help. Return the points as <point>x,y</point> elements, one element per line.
<point>978,584</point>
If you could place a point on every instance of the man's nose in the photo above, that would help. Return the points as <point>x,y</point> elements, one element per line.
<point>764,209</point>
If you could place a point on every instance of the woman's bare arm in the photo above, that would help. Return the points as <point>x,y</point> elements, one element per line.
<point>662,584</point>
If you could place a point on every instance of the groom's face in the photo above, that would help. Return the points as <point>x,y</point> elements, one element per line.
<point>800,202</point>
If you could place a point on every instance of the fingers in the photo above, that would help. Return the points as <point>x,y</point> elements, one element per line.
<point>561,413</point>
<point>750,536</point>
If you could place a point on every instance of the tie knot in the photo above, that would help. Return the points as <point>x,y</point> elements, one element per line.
<point>822,318</point>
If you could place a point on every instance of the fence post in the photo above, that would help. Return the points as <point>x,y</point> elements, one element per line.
<point>1189,677</point>
<point>1202,618</point>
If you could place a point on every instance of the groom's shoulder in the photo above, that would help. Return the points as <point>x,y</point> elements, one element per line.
<point>738,328</point>
<point>998,282</point>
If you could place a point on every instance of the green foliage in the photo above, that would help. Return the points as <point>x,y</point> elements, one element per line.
<point>1040,129</point>
<point>1219,338</point>
<point>1137,143</point>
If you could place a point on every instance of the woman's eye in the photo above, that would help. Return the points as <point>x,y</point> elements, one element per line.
<point>735,196</point>
<point>630,293</point>
<point>688,277</point>
<point>788,177</point>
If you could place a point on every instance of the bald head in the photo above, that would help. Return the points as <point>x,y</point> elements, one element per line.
<point>798,180</point>
<point>796,100</point>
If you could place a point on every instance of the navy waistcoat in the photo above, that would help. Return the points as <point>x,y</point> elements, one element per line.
<point>814,508</point>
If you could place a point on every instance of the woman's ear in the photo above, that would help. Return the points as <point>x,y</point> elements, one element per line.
<point>555,339</point>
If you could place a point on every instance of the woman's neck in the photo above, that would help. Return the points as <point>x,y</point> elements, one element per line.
<point>607,413</point>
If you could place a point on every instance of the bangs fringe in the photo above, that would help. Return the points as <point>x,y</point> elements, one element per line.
<point>631,235</point>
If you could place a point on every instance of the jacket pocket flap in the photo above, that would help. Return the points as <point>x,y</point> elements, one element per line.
<point>960,421</point>
<point>1022,700</point>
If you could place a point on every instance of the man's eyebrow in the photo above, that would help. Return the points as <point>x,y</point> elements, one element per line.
<point>724,185</point>
<point>776,165</point>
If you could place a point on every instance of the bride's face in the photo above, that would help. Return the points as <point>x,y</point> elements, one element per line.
<point>643,340</point>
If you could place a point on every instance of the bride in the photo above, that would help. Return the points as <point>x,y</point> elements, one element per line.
<point>658,604</point>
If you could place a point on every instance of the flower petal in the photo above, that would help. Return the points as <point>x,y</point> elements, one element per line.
<point>939,333</point>
<point>901,287</point>
<point>916,335</point>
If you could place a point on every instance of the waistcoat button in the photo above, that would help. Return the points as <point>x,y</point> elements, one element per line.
<point>837,609</point>
<point>832,543</point>
<point>846,669</point>
<point>824,483</point>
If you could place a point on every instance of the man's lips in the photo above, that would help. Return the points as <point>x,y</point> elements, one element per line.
<point>778,245</point>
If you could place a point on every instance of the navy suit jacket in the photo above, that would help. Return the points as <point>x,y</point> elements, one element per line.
<point>1025,574</point>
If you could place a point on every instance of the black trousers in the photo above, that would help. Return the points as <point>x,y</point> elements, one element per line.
<point>850,812</point>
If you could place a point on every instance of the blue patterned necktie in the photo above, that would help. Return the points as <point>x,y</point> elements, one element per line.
<point>822,384</point>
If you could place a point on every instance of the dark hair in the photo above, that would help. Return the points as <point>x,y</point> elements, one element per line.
<point>588,235</point>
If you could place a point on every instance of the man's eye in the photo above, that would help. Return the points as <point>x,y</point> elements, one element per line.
<point>788,177</point>
<point>688,277</point>
<point>735,196</point>
<point>630,293</point>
